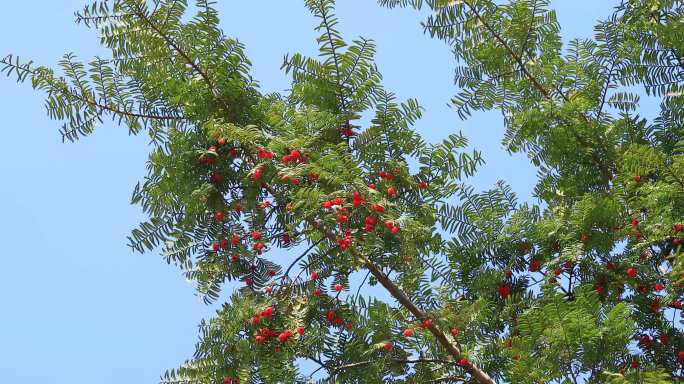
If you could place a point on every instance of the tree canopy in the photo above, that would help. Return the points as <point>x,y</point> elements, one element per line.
<point>582,287</point>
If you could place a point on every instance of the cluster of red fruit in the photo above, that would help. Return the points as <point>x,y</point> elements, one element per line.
<point>342,212</point>
<point>265,333</point>
<point>236,239</point>
<point>332,315</point>
<point>333,318</point>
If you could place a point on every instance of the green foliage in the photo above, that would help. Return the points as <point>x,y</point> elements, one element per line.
<point>582,288</point>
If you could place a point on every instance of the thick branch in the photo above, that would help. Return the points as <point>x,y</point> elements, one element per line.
<point>399,295</point>
<point>406,302</point>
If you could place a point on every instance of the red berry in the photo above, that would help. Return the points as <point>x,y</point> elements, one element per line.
<point>330,315</point>
<point>408,332</point>
<point>422,184</point>
<point>584,237</point>
<point>663,338</point>
<point>395,230</point>
<point>259,339</point>
<point>655,305</point>
<point>267,312</point>
<point>504,290</point>
<point>386,176</point>
<point>235,239</point>
<point>464,362</point>
<point>557,271</point>
<point>631,272</point>
<point>637,179</point>
<point>327,204</point>
<point>509,273</point>
<point>300,330</point>
<point>216,178</point>
<point>256,175</point>
<point>426,324</point>
<point>342,218</point>
<point>568,264</point>
<point>635,222</point>
<point>283,337</point>
<point>509,343</point>
<point>378,208</point>
<point>658,287</point>
<point>534,265</point>
<point>222,141</point>
<point>338,287</point>
<point>677,227</point>
<point>634,364</point>
<point>388,346</point>
<point>350,326</point>
<point>317,292</point>
<point>372,186</point>
<point>219,216</point>
<point>680,356</point>
<point>391,191</point>
<point>256,235</point>
<point>215,247</point>
<point>677,303</point>
<point>259,247</point>
<point>294,154</point>
<point>314,275</point>
<point>454,332</point>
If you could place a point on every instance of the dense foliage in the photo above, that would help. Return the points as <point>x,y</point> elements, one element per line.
<point>584,287</point>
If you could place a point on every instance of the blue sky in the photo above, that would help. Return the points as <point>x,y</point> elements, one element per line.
<point>77,305</point>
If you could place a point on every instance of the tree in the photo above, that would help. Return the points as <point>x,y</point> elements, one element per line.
<point>481,288</point>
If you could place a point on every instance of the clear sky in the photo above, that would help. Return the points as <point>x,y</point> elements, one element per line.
<point>76,305</point>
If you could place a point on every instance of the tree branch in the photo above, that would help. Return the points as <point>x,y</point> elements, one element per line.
<point>406,302</point>
<point>537,85</point>
<point>205,76</point>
